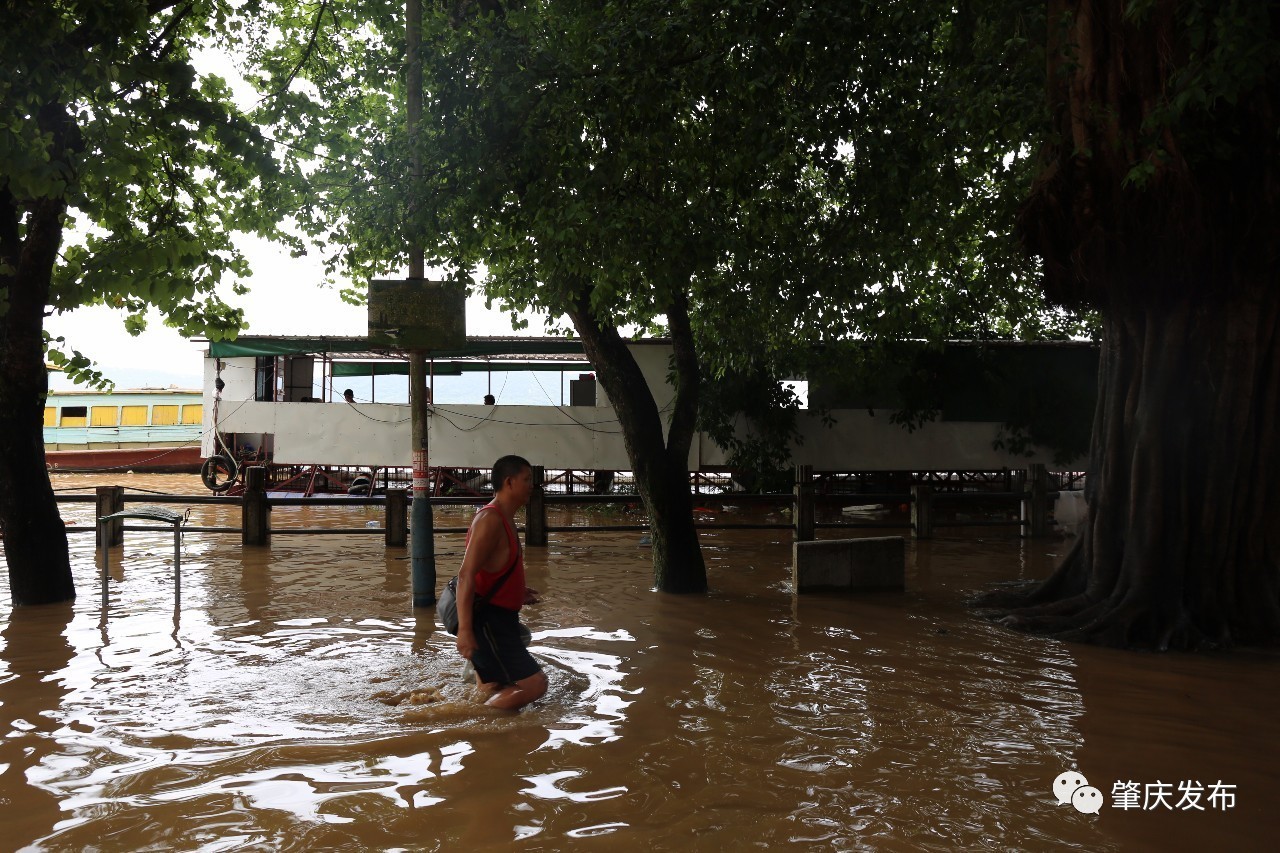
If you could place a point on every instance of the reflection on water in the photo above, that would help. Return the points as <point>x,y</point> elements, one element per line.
<point>295,702</point>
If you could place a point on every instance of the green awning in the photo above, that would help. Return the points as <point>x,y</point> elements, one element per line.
<point>244,346</point>
<point>248,346</point>
<point>379,368</point>
<point>369,368</point>
<point>457,368</point>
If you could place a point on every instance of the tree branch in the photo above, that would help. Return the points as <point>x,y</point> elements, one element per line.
<point>169,35</point>
<point>86,36</point>
<point>306,53</point>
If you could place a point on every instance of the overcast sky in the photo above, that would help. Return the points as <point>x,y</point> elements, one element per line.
<point>285,298</point>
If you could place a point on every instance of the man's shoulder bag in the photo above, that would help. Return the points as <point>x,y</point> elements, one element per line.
<point>447,604</point>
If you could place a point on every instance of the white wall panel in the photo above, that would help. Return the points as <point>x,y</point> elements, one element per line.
<point>654,361</point>
<point>862,442</point>
<point>330,433</point>
<point>474,436</point>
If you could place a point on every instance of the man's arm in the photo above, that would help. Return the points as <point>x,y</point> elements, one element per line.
<point>480,550</point>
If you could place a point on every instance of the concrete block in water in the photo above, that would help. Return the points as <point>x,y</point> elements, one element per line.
<point>1070,511</point>
<point>878,563</point>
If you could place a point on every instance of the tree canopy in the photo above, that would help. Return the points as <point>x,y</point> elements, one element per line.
<point>156,165</point>
<point>804,171</point>
<point>124,174</point>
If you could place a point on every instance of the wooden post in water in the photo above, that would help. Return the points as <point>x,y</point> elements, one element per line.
<point>397,519</point>
<point>1035,502</point>
<point>921,512</point>
<point>535,513</point>
<point>255,512</point>
<point>110,501</point>
<point>802,517</point>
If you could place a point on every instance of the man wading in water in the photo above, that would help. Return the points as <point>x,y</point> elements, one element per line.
<point>489,635</point>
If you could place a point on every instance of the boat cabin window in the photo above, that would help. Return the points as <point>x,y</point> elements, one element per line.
<point>164,415</point>
<point>73,416</point>
<point>193,414</point>
<point>50,416</point>
<point>103,416</point>
<point>133,415</point>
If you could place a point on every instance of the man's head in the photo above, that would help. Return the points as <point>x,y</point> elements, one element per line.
<point>513,478</point>
<point>349,395</point>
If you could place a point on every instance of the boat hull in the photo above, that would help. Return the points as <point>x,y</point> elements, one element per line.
<point>151,460</point>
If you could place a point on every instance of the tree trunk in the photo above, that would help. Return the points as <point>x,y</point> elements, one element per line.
<point>661,468</point>
<point>35,540</point>
<point>1159,207</point>
<point>1181,545</point>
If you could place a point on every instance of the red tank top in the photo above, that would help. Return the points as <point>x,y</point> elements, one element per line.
<point>511,595</point>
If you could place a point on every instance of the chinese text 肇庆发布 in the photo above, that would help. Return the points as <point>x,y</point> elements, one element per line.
<point>1186,796</point>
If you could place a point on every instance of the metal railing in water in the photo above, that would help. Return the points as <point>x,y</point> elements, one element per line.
<point>876,510</point>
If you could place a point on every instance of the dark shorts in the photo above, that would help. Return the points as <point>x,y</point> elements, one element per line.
<point>500,655</point>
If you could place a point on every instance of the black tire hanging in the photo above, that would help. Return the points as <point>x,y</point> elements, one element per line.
<point>219,464</point>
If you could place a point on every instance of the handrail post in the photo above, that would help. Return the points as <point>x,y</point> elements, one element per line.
<point>535,513</point>
<point>396,523</point>
<point>802,515</point>
<point>921,512</point>
<point>1035,502</point>
<point>105,559</point>
<point>255,511</point>
<point>110,500</point>
<point>177,567</point>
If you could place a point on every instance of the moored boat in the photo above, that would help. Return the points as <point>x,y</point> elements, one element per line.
<point>156,430</point>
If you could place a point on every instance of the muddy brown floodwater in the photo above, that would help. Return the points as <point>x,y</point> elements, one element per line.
<point>294,702</point>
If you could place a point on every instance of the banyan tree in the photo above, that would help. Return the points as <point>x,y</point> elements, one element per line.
<point>1158,207</point>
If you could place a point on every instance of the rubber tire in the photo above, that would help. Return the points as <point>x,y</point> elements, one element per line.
<point>209,472</point>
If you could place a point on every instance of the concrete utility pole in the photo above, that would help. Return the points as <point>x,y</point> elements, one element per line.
<point>422,526</point>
